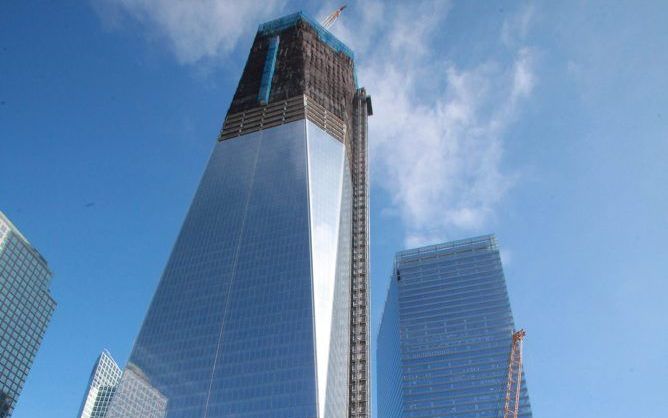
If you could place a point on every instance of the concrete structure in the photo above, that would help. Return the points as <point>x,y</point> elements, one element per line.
<point>446,334</point>
<point>26,307</point>
<point>262,309</point>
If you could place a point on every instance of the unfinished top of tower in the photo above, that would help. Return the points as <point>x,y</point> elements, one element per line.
<point>296,56</point>
<point>274,27</point>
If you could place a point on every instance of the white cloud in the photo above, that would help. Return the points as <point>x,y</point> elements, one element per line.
<point>516,27</point>
<point>194,30</point>
<point>437,134</point>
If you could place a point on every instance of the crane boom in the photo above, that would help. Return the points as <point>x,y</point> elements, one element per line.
<point>514,382</point>
<point>329,20</point>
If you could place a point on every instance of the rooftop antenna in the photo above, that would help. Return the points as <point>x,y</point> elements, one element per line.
<point>329,20</point>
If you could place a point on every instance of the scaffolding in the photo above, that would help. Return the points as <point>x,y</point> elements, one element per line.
<point>359,327</point>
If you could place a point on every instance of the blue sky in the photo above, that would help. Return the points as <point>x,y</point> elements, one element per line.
<point>543,122</point>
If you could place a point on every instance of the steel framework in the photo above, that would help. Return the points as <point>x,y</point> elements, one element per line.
<point>359,327</point>
<point>511,405</point>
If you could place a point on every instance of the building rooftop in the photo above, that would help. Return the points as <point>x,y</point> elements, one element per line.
<point>277,25</point>
<point>448,247</point>
<point>17,231</point>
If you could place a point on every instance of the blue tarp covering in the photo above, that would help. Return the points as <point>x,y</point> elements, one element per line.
<point>268,72</point>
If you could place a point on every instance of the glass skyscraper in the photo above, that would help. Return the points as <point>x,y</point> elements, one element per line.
<point>446,334</point>
<point>26,307</point>
<point>262,308</point>
<point>101,387</point>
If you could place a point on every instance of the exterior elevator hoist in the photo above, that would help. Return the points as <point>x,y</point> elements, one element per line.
<point>511,405</point>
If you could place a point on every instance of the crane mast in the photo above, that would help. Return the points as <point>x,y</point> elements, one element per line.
<point>511,405</point>
<point>329,20</point>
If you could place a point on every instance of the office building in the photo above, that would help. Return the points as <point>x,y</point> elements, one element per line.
<point>262,308</point>
<point>26,307</point>
<point>101,387</point>
<point>446,334</point>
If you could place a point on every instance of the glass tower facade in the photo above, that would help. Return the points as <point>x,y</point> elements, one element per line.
<point>101,387</point>
<point>446,334</point>
<point>26,307</point>
<point>253,316</point>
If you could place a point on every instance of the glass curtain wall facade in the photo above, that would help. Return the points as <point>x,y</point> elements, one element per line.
<point>446,334</point>
<point>101,387</point>
<point>26,307</point>
<point>252,316</point>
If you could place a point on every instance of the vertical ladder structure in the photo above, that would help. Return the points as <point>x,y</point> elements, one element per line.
<point>511,405</point>
<point>359,338</point>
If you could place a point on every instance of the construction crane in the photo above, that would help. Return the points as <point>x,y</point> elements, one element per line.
<point>329,20</point>
<point>514,383</point>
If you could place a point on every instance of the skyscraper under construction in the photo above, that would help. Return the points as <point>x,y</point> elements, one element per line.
<point>262,310</point>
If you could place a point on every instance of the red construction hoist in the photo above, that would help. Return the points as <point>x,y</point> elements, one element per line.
<point>514,383</point>
<point>329,20</point>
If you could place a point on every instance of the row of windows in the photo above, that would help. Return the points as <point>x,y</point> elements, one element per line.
<point>455,329</point>
<point>237,290</point>
<point>25,309</point>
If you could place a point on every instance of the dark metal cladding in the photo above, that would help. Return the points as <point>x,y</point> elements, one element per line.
<point>305,66</point>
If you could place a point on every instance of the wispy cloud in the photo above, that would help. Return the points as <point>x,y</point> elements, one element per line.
<point>516,27</point>
<point>194,30</point>
<point>437,135</point>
